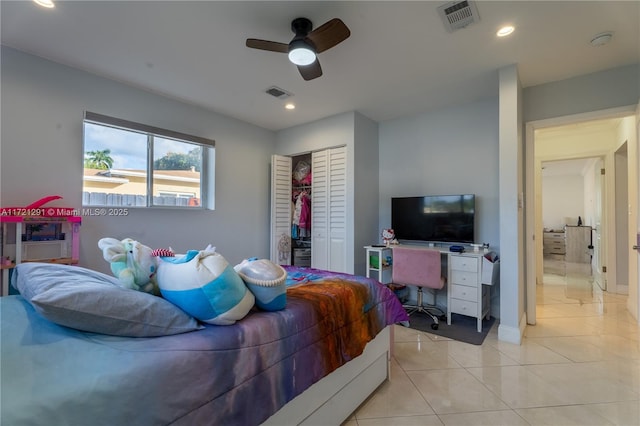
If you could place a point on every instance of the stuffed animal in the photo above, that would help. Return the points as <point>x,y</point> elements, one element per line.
<point>132,263</point>
<point>203,284</point>
<point>266,280</point>
<point>389,237</point>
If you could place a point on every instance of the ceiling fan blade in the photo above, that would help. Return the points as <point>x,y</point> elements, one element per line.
<point>309,72</point>
<point>329,34</point>
<point>272,46</point>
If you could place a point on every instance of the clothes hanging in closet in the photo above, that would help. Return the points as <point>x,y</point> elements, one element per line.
<point>301,224</point>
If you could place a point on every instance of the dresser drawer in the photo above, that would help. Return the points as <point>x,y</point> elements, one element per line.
<point>464,278</point>
<point>464,263</point>
<point>464,292</point>
<point>464,307</point>
<point>554,250</point>
<point>554,236</point>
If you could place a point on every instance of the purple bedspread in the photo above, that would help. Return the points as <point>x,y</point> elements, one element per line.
<point>231,375</point>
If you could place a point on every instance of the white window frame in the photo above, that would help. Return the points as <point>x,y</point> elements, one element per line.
<point>207,156</point>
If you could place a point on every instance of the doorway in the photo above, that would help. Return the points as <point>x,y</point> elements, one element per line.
<point>571,212</point>
<point>591,135</point>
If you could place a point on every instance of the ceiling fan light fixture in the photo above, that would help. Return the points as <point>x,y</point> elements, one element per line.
<point>300,53</point>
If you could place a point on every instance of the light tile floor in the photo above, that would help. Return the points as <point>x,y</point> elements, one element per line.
<point>579,365</point>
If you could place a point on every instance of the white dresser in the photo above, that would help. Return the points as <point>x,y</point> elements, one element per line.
<point>466,294</point>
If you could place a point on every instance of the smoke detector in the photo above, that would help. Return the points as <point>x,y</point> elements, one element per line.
<point>601,39</point>
<point>277,92</point>
<point>458,14</point>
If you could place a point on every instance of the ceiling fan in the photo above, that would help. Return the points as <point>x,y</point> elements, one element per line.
<point>306,44</point>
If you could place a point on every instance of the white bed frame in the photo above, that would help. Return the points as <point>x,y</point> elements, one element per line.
<point>335,397</point>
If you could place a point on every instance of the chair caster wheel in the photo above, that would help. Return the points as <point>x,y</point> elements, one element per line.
<point>443,317</point>
<point>434,326</point>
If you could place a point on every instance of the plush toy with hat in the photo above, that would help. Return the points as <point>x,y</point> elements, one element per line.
<point>132,263</point>
<point>203,284</point>
<point>266,280</point>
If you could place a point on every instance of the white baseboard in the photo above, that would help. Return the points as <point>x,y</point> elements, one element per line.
<point>513,334</point>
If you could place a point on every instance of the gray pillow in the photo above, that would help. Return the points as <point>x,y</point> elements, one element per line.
<point>88,300</point>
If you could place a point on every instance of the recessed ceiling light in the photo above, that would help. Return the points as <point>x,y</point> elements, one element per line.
<point>601,39</point>
<point>45,3</point>
<point>505,31</point>
<point>290,106</point>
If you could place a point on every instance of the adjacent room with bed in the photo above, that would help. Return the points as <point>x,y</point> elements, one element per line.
<point>207,208</point>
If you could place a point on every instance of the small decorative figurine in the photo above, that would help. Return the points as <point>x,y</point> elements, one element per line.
<point>389,237</point>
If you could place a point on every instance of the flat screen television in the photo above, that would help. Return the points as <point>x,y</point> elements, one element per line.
<point>437,218</point>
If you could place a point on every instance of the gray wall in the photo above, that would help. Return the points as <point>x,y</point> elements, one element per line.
<point>367,189</point>
<point>42,110</point>
<point>591,92</point>
<point>449,151</point>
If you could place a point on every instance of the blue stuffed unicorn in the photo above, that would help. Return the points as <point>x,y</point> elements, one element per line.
<point>132,263</point>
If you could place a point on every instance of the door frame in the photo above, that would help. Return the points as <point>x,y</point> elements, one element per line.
<point>533,246</point>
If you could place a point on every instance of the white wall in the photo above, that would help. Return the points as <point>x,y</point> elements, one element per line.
<point>562,197</point>
<point>42,110</point>
<point>511,185</point>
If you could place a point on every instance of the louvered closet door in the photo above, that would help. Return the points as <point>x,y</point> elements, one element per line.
<point>328,207</point>
<point>281,209</point>
<point>337,209</point>
<point>319,210</point>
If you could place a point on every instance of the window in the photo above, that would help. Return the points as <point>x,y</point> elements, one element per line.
<point>133,165</point>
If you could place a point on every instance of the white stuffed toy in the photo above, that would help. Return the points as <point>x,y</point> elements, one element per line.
<point>266,280</point>
<point>132,263</point>
<point>389,237</point>
<point>203,284</point>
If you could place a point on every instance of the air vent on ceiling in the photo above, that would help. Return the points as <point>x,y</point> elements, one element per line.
<point>277,92</point>
<point>458,14</point>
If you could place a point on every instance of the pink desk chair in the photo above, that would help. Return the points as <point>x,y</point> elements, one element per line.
<point>419,267</point>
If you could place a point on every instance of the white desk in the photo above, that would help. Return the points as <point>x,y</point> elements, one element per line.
<point>468,280</point>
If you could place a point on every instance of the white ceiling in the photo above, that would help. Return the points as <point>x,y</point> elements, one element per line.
<point>398,61</point>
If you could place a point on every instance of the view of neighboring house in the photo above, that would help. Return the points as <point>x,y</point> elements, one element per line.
<point>127,187</point>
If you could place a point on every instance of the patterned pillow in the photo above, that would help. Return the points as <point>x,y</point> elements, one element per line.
<point>88,300</point>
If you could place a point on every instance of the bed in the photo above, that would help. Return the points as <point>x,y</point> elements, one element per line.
<point>313,362</point>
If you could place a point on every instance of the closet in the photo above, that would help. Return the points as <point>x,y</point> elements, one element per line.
<point>322,243</point>
<point>301,178</point>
